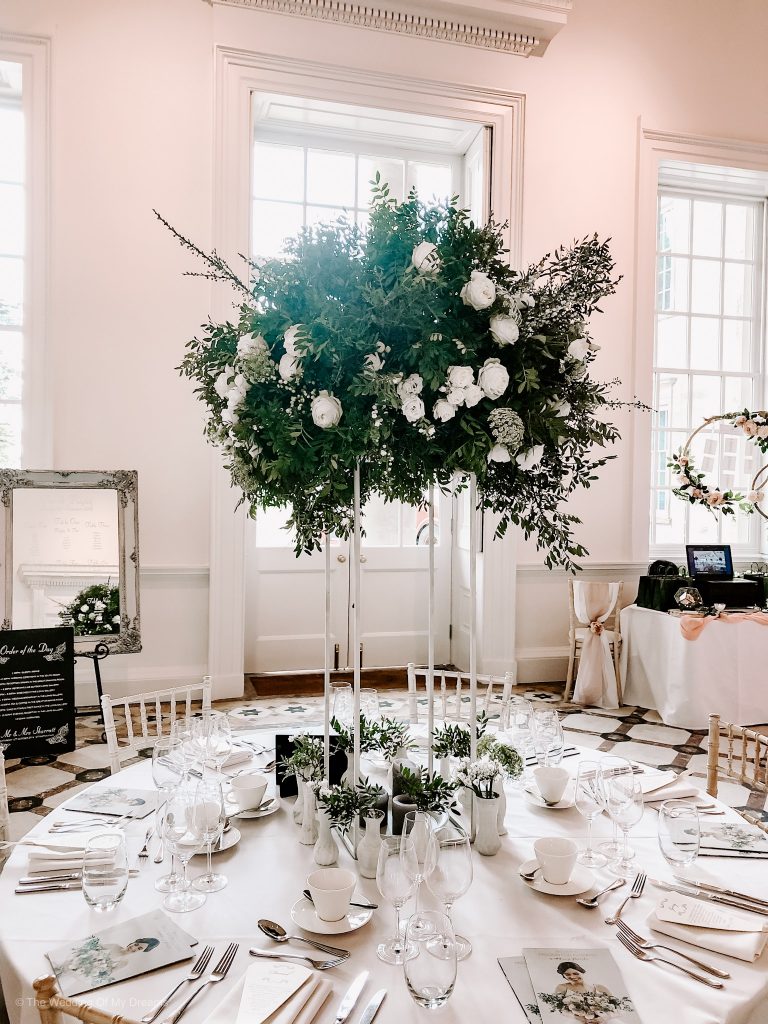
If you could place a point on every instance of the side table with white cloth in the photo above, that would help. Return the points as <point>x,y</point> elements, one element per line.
<point>501,915</point>
<point>721,671</point>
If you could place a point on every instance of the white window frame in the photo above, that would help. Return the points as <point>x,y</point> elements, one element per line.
<point>33,53</point>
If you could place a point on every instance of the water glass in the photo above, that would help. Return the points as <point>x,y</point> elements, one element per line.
<point>451,875</point>
<point>431,974</point>
<point>187,747</point>
<point>417,850</point>
<point>105,870</point>
<point>624,801</point>
<point>342,704</point>
<point>207,824</point>
<point>179,834</point>
<point>214,739</point>
<point>611,847</point>
<point>548,739</point>
<point>397,887</point>
<point>589,804</point>
<point>520,725</point>
<point>679,833</point>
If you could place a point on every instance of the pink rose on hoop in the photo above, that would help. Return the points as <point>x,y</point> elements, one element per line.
<point>740,421</point>
<point>683,460</point>
<point>715,498</point>
<point>750,428</point>
<point>596,627</point>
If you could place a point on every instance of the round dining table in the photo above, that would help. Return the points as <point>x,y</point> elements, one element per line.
<point>501,915</point>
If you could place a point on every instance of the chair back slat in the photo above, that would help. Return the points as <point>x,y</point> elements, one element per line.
<point>747,765</point>
<point>452,685</point>
<point>144,720</point>
<point>159,716</point>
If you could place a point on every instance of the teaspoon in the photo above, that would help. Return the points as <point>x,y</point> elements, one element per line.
<point>279,934</point>
<point>592,901</point>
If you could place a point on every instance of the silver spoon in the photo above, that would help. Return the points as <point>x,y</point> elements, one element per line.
<point>528,876</point>
<point>352,903</point>
<point>279,934</point>
<point>591,901</point>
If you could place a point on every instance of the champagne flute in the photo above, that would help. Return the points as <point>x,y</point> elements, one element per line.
<point>589,804</point>
<point>177,831</point>
<point>208,821</point>
<point>429,978</point>
<point>397,887</point>
<point>625,805</point>
<point>450,877</point>
<point>679,833</point>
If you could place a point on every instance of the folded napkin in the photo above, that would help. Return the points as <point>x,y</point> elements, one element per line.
<point>58,853</point>
<point>671,790</point>
<point>301,1008</point>
<point>238,756</point>
<point>741,944</point>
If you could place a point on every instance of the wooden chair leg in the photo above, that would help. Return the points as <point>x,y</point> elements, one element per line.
<point>713,754</point>
<point>617,666</point>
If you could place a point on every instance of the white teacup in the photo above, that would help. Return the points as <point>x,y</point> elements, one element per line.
<point>248,789</point>
<point>557,859</point>
<point>331,890</point>
<point>551,781</point>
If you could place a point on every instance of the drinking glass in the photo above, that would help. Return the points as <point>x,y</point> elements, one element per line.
<point>214,738</point>
<point>369,703</point>
<point>208,820</point>
<point>166,766</point>
<point>416,848</point>
<point>624,800</point>
<point>589,804</point>
<point>548,740</point>
<point>187,749</point>
<point>395,886</point>
<point>431,974</point>
<point>679,833</point>
<point>105,870</point>
<point>521,724</point>
<point>611,847</point>
<point>178,834</point>
<point>342,702</point>
<point>451,876</point>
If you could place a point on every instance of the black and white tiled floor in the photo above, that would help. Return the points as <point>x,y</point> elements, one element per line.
<point>38,784</point>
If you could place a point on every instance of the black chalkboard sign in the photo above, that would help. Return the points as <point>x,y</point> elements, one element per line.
<point>284,748</point>
<point>37,691</point>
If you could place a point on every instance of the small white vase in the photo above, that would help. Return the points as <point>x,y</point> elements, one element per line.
<point>444,768</point>
<point>498,789</point>
<point>467,799</point>
<point>308,833</point>
<point>487,840</point>
<point>369,846</point>
<point>326,850</point>
<point>298,807</point>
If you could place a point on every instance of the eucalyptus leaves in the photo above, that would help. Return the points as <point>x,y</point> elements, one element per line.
<point>416,352</point>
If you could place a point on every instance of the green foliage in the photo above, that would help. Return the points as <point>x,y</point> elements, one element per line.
<point>307,759</point>
<point>454,740</point>
<point>346,739</point>
<point>391,736</point>
<point>428,792</point>
<point>343,803</point>
<point>94,612</point>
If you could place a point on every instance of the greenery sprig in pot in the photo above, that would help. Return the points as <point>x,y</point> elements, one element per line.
<point>306,763</point>
<point>346,740</point>
<point>390,737</point>
<point>454,739</point>
<point>343,802</point>
<point>422,792</point>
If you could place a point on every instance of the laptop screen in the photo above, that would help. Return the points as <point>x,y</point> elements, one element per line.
<point>711,560</point>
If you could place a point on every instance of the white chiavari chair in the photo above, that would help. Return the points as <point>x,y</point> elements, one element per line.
<point>450,687</point>
<point>53,1007</point>
<point>737,755</point>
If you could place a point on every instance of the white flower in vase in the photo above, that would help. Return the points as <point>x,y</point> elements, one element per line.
<point>410,386</point>
<point>455,397</point>
<point>443,410</point>
<point>289,367</point>
<point>413,408</point>
<point>472,395</point>
<point>493,378</point>
<point>578,348</point>
<point>504,329</point>
<point>460,376</point>
<point>479,291</point>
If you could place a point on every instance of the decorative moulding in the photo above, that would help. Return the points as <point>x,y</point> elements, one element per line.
<point>525,29</point>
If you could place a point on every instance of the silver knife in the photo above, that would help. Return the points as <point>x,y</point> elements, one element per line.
<point>733,893</point>
<point>711,897</point>
<point>48,887</point>
<point>351,997</point>
<point>373,1007</point>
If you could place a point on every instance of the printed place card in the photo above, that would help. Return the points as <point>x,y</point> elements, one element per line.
<point>267,986</point>
<point>679,909</point>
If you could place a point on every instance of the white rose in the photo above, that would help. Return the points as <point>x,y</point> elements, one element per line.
<point>527,460</point>
<point>499,453</point>
<point>290,338</point>
<point>289,367</point>
<point>413,408</point>
<point>461,376</point>
<point>229,415</point>
<point>425,258</point>
<point>526,299</point>
<point>456,396</point>
<point>472,395</point>
<point>410,386</point>
<point>326,410</point>
<point>443,410</point>
<point>755,496</point>
<point>479,291</point>
<point>116,620</point>
<point>249,345</point>
<point>561,408</point>
<point>221,385</point>
<point>493,378</point>
<point>749,427</point>
<point>504,329</point>
<point>374,362</point>
<point>578,348</point>
<point>83,607</point>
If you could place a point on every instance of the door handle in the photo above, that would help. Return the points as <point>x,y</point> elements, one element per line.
<point>341,558</point>
<point>363,558</point>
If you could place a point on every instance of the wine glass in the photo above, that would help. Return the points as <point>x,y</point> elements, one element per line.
<point>215,738</point>
<point>369,704</point>
<point>416,848</point>
<point>611,847</point>
<point>521,724</point>
<point>105,870</point>
<point>178,834</point>
<point>624,800</point>
<point>548,740</point>
<point>166,766</point>
<point>679,833</point>
<point>187,749</point>
<point>430,978</point>
<point>208,820</point>
<point>451,877</point>
<point>342,702</point>
<point>589,804</point>
<point>397,887</point>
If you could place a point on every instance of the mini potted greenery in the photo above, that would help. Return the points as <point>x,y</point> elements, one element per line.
<point>306,763</point>
<point>511,767</point>
<point>393,741</point>
<point>454,741</point>
<point>341,803</point>
<point>422,792</point>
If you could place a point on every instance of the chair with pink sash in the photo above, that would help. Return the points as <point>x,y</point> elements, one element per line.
<point>594,638</point>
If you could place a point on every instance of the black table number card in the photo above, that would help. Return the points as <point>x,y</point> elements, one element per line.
<point>37,691</point>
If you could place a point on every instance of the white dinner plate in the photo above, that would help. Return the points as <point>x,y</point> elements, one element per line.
<point>253,812</point>
<point>228,840</point>
<point>538,801</point>
<point>581,881</point>
<point>305,916</point>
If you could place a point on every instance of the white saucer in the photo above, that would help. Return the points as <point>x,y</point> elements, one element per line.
<point>538,801</point>
<point>581,881</point>
<point>228,840</point>
<point>255,812</point>
<point>305,916</point>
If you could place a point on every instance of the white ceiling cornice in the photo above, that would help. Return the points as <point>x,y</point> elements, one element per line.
<point>523,28</point>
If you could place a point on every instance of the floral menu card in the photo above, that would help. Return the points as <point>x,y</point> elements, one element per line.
<point>516,973</point>
<point>124,951</point>
<point>733,836</point>
<point>579,984</point>
<point>136,803</point>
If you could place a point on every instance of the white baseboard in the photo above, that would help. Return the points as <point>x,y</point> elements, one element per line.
<point>542,664</point>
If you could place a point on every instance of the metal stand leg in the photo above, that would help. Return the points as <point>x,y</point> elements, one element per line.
<point>99,653</point>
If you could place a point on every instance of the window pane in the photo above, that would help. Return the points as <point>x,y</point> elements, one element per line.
<point>737,345</point>
<point>737,289</point>
<point>11,351</point>
<point>737,393</point>
<point>278,172</point>
<point>705,286</point>
<point>12,148</point>
<point>667,518</point>
<point>11,291</point>
<point>363,220</point>
<point>10,436</point>
<point>671,341</point>
<point>11,219</point>
<point>672,284</point>
<point>739,228</point>
<point>705,398</point>
<point>381,522</point>
<point>330,178</point>
<point>272,224</point>
<point>707,228</point>
<point>432,180</point>
<point>392,172</point>
<point>705,339</point>
<point>326,214</point>
<point>703,525</point>
<point>674,224</point>
<point>672,400</point>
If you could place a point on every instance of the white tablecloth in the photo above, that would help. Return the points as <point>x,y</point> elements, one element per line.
<point>500,915</point>
<point>722,671</point>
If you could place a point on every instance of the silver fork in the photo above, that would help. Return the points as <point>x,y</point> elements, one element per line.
<point>647,944</point>
<point>642,954</point>
<point>196,970</point>
<point>144,852</point>
<point>634,893</point>
<point>319,965</point>
<point>219,973</point>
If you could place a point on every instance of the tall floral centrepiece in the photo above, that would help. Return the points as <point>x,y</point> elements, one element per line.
<point>415,351</point>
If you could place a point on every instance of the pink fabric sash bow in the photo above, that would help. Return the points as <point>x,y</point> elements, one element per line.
<point>596,679</point>
<point>692,625</point>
